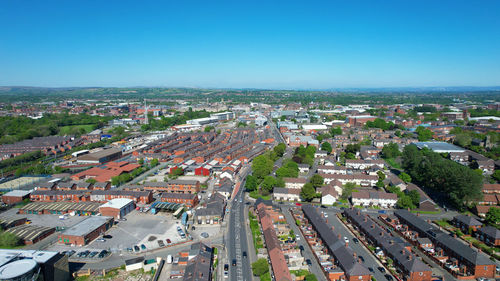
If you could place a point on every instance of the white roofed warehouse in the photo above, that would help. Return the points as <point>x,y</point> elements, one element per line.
<point>117,208</point>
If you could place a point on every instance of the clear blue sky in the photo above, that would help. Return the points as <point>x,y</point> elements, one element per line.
<point>247,43</point>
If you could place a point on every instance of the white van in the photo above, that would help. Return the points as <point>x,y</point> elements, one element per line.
<point>169,259</point>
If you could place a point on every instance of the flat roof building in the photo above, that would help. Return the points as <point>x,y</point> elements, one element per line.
<point>439,147</point>
<point>117,208</point>
<point>25,265</point>
<point>100,157</point>
<point>84,232</point>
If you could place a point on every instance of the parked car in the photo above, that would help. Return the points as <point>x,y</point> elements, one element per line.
<point>244,254</point>
<point>346,239</point>
<point>160,243</point>
<point>168,241</point>
<point>83,254</point>
<point>130,250</point>
<point>101,240</point>
<point>226,267</point>
<point>301,248</point>
<point>136,248</point>
<point>361,258</point>
<point>381,269</point>
<point>388,277</point>
<point>233,263</point>
<point>308,261</point>
<point>371,269</point>
<point>355,240</point>
<point>298,204</point>
<point>107,236</point>
<point>102,254</point>
<point>204,235</point>
<point>143,247</point>
<point>93,254</point>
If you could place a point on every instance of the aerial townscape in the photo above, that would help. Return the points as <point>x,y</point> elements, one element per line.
<point>205,185</point>
<point>250,140</point>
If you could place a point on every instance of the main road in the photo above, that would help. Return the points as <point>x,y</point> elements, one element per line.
<point>238,239</point>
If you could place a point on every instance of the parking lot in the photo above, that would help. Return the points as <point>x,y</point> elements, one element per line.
<point>138,229</point>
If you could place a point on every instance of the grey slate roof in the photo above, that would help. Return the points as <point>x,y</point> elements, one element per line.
<point>444,240</point>
<point>468,220</point>
<point>383,238</point>
<point>343,254</point>
<point>490,231</point>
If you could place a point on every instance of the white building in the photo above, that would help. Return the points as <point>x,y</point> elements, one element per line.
<point>285,194</point>
<point>374,198</point>
<point>294,183</point>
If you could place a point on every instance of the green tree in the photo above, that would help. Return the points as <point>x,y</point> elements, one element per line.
<point>308,192</point>
<point>208,129</point>
<point>262,166</point>
<point>335,131</point>
<point>9,240</point>
<point>390,150</point>
<point>430,170</point>
<point>316,180</point>
<point>347,190</point>
<point>405,177</point>
<point>423,134</point>
<point>405,202</point>
<point>260,267</point>
<point>326,146</point>
<point>496,175</point>
<point>251,183</point>
<point>154,162</point>
<point>379,184</point>
<point>381,175</point>
<point>415,197</point>
<point>280,149</point>
<point>310,277</point>
<point>310,151</point>
<point>140,161</point>
<point>269,183</point>
<point>493,216</point>
<point>352,148</point>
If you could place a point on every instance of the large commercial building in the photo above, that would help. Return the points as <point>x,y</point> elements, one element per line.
<point>84,232</point>
<point>100,157</point>
<point>117,208</point>
<point>33,265</point>
<point>15,196</point>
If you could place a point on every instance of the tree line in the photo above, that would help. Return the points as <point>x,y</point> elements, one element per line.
<point>459,183</point>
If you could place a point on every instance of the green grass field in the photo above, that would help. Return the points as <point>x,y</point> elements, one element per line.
<point>67,129</point>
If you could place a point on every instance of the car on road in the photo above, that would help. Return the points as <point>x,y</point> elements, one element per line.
<point>204,235</point>
<point>123,219</point>
<point>381,269</point>
<point>308,261</point>
<point>143,247</point>
<point>107,236</point>
<point>361,258</point>
<point>298,204</point>
<point>355,240</point>
<point>233,262</point>
<point>371,269</point>
<point>326,215</point>
<point>101,240</point>
<point>346,239</point>
<point>136,248</point>
<point>160,243</point>
<point>388,277</point>
<point>226,267</point>
<point>244,254</point>
<point>301,248</point>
